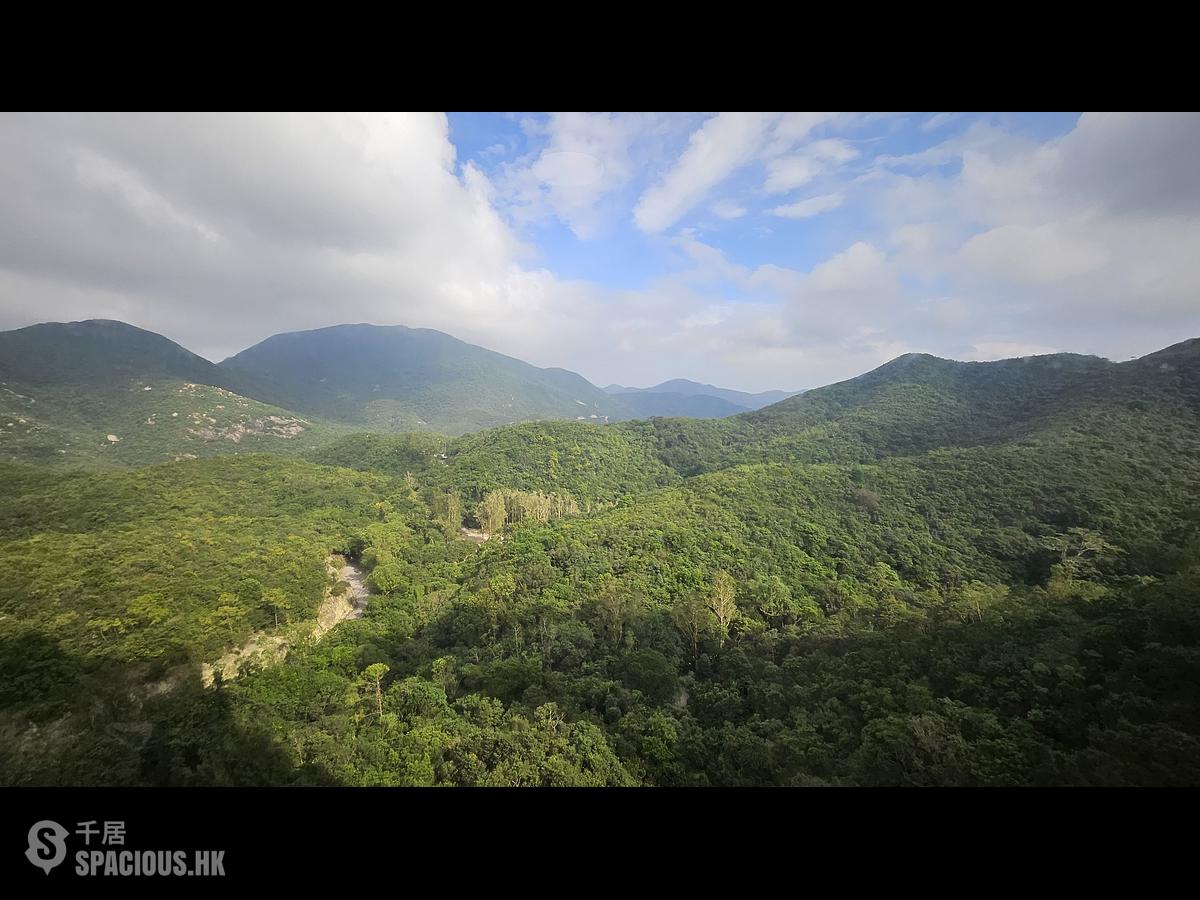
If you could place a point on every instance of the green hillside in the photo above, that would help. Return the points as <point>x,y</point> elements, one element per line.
<point>97,351</point>
<point>66,387</point>
<point>938,573</point>
<point>411,379</point>
<point>105,394</point>
<point>144,421</point>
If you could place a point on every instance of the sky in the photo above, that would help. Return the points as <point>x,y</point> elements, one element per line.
<point>748,250</point>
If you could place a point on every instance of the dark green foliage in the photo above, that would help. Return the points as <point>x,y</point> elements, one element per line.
<point>391,454</point>
<point>591,463</point>
<point>98,350</point>
<point>139,565</point>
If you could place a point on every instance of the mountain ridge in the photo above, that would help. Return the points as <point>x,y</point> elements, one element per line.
<point>688,388</point>
<point>65,386</point>
<point>402,378</point>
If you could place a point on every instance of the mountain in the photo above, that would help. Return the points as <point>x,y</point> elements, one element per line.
<point>65,388</point>
<point>918,402</point>
<point>396,379</point>
<point>96,378</point>
<point>109,394</point>
<point>97,351</point>
<point>686,388</point>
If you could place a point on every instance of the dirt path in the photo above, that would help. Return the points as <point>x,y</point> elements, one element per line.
<point>474,535</point>
<point>349,605</point>
<point>264,648</point>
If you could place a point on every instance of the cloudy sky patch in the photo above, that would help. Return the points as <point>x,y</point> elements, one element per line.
<point>750,250</point>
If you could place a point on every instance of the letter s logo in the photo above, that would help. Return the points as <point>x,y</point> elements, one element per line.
<point>47,845</point>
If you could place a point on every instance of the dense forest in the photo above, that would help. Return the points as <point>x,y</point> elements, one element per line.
<point>938,573</point>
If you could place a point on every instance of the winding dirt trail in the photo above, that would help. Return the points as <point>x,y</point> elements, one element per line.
<point>359,595</point>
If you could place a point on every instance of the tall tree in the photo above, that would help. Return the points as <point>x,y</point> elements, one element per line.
<point>491,512</point>
<point>1079,550</point>
<point>276,601</point>
<point>373,675</point>
<point>693,617</point>
<point>722,603</point>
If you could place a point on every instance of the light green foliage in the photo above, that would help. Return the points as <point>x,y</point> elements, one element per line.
<point>70,424</point>
<point>172,560</point>
<point>505,507</point>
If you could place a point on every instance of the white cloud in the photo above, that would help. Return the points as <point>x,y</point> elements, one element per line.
<point>587,157</point>
<point>127,189</point>
<point>860,267</point>
<point>323,220</point>
<point>723,144</point>
<point>727,209</point>
<point>813,206</point>
<point>791,128</point>
<point>1041,255</point>
<point>936,121</point>
<point>816,158</point>
<point>1090,241</point>
<point>320,219</point>
<point>790,172</point>
<point>831,150</point>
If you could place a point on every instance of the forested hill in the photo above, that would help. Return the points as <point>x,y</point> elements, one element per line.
<point>988,399</point>
<point>105,394</point>
<point>919,402</point>
<point>394,378</point>
<point>83,378</point>
<point>1182,360</point>
<point>644,405</point>
<point>98,352</point>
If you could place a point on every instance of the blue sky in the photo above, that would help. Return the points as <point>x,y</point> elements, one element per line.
<point>620,255</point>
<point>750,250</point>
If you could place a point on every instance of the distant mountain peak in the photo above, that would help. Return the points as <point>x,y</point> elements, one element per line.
<point>393,377</point>
<point>98,349</point>
<point>683,387</point>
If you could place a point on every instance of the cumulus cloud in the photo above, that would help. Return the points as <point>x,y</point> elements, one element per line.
<point>585,160</point>
<point>1086,242</point>
<point>221,230</point>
